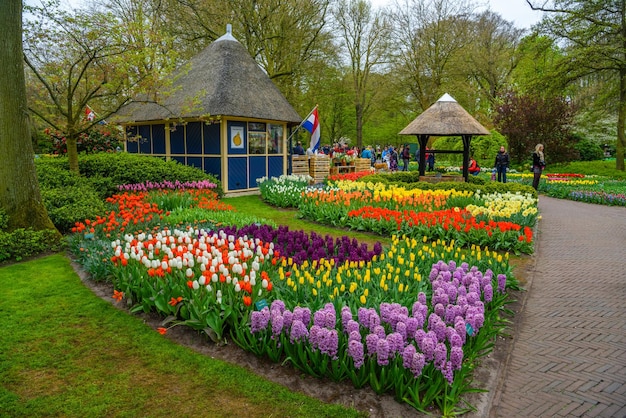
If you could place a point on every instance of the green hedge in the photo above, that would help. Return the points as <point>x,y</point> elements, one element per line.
<point>106,171</point>
<point>67,205</point>
<point>69,197</point>
<point>21,243</point>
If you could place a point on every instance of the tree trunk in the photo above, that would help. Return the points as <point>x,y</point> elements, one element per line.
<point>359,125</point>
<point>19,190</point>
<point>72,151</point>
<point>621,122</point>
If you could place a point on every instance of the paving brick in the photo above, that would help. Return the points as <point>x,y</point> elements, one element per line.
<point>569,351</point>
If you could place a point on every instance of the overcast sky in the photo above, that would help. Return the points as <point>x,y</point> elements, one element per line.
<point>516,11</point>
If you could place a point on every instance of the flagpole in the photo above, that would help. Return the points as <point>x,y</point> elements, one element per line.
<point>300,126</point>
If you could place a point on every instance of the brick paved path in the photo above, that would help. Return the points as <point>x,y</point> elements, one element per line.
<point>568,357</point>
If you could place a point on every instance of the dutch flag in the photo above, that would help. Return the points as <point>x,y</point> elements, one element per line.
<point>312,124</point>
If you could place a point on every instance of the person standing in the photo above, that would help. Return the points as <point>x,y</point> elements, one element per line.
<point>393,159</point>
<point>502,164</point>
<point>406,157</point>
<point>430,159</point>
<point>298,150</point>
<point>539,163</point>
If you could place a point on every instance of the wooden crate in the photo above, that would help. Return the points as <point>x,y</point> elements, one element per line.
<point>362,164</point>
<point>300,165</point>
<point>319,168</point>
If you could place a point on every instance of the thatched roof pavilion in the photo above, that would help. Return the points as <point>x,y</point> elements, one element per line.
<point>445,118</point>
<point>223,79</point>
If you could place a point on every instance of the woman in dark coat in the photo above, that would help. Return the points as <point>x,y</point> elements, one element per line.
<point>539,163</point>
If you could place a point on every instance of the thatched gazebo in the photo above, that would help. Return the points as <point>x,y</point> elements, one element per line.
<point>445,118</point>
<point>221,113</point>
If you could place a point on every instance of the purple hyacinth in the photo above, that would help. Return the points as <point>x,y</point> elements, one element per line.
<point>407,356</point>
<point>382,352</point>
<point>277,305</point>
<point>396,343</point>
<point>454,338</point>
<point>277,323</point>
<point>355,350</point>
<point>315,336</point>
<point>501,283</point>
<point>380,331</point>
<point>488,293</point>
<point>440,310</point>
<point>330,343</point>
<point>302,314</point>
<point>440,356</point>
<point>450,314</point>
<point>363,314</point>
<point>459,327</point>
<point>259,320</point>
<point>421,298</point>
<point>472,298</point>
<point>346,316</point>
<point>420,319</point>
<point>352,326</point>
<point>417,364</point>
<point>412,326</point>
<point>371,341</point>
<point>299,332</point>
<point>456,357</point>
<point>448,373</point>
<point>401,329</point>
<point>319,318</point>
<point>428,347</point>
<point>354,335</point>
<point>419,336</point>
<point>287,319</point>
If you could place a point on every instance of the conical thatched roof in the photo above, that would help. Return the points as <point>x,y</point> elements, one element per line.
<point>222,80</point>
<point>445,118</point>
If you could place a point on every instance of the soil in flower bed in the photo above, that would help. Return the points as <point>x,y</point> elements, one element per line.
<point>376,406</point>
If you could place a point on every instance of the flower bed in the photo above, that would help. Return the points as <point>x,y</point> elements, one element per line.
<point>411,319</point>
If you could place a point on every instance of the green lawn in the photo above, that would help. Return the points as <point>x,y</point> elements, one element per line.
<point>66,352</point>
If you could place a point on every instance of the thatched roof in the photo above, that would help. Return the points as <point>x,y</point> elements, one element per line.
<point>445,118</point>
<point>222,80</point>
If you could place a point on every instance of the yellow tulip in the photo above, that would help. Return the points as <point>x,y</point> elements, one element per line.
<point>362,299</point>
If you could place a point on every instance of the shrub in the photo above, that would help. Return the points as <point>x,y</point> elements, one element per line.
<point>589,150</point>
<point>97,139</point>
<point>123,168</point>
<point>67,205</point>
<point>21,242</point>
<point>105,171</point>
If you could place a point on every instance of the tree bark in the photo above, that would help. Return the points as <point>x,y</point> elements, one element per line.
<point>19,190</point>
<point>621,123</point>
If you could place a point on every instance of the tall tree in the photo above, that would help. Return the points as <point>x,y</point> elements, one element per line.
<point>493,55</point>
<point>83,60</point>
<point>365,35</point>
<point>19,195</point>
<point>594,33</point>
<point>429,37</point>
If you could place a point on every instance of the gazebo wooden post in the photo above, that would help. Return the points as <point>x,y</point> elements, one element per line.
<point>422,141</point>
<point>467,139</point>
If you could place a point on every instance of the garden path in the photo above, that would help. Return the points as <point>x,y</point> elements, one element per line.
<point>567,357</point>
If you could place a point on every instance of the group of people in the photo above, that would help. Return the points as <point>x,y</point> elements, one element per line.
<point>501,165</point>
<point>391,156</point>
